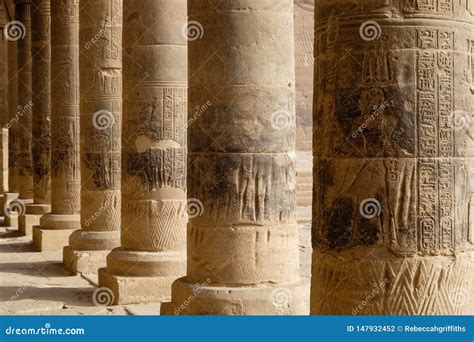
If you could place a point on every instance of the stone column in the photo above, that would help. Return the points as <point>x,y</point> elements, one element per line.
<point>101,112</point>
<point>243,241</point>
<point>394,191</point>
<point>4,116</point>
<point>154,206</point>
<point>12,126</point>
<point>55,228</point>
<point>24,137</point>
<point>41,86</point>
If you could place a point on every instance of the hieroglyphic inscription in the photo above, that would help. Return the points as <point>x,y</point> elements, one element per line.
<point>435,107</point>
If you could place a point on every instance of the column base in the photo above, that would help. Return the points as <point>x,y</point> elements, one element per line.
<point>136,290</point>
<point>60,222</point>
<point>32,217</point>
<point>137,277</point>
<point>54,231</point>
<point>50,240</point>
<point>191,298</point>
<point>84,262</point>
<point>380,283</point>
<point>87,250</point>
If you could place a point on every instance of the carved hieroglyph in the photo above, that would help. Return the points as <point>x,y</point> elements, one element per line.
<point>101,116</point>
<point>23,128</point>
<point>55,228</point>
<point>65,157</point>
<point>243,242</point>
<point>393,200</point>
<point>41,85</point>
<point>154,206</point>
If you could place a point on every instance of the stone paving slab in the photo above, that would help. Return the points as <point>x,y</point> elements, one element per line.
<point>34,283</point>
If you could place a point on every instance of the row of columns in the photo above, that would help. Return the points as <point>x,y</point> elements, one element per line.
<point>392,197</point>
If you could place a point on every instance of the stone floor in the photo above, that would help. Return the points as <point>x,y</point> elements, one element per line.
<point>33,283</point>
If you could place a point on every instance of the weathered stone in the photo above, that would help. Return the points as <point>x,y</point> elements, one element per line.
<point>41,86</point>
<point>243,242</point>
<point>24,136</point>
<point>4,110</point>
<point>393,187</point>
<point>154,206</point>
<point>304,61</point>
<point>65,164</point>
<point>12,126</point>
<point>101,123</point>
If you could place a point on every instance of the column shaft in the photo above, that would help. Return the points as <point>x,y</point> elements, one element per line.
<point>243,245</point>
<point>101,116</point>
<point>41,145</point>
<point>56,227</point>
<point>4,111</point>
<point>393,193</point>
<point>24,134</point>
<point>41,50</point>
<point>154,214</point>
